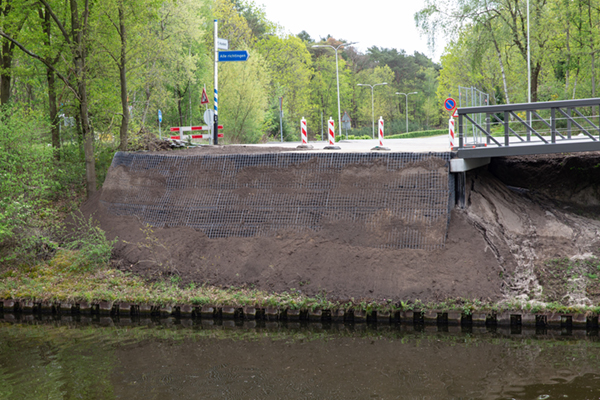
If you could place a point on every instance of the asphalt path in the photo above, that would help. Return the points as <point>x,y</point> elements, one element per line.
<point>433,144</point>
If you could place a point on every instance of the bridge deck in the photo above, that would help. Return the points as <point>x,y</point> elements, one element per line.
<point>518,148</point>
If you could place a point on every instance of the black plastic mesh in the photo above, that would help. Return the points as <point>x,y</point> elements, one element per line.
<point>248,195</point>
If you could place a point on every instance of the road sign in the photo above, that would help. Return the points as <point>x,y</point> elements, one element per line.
<point>449,104</point>
<point>235,55</point>
<point>159,116</point>
<point>209,116</point>
<point>455,113</point>
<point>346,117</point>
<point>222,44</point>
<point>204,98</point>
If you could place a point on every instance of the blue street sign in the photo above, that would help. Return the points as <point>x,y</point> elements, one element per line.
<point>449,104</point>
<point>159,116</point>
<point>236,55</point>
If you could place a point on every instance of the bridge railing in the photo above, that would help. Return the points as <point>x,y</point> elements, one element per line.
<point>529,123</point>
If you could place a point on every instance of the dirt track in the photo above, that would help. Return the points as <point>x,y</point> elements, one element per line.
<point>491,252</point>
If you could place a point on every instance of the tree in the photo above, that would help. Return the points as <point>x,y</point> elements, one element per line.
<point>78,41</point>
<point>243,99</point>
<point>384,101</point>
<point>13,14</point>
<point>510,15</point>
<point>290,69</point>
<point>117,18</point>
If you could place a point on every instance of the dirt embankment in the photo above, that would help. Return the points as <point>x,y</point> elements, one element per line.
<point>499,247</point>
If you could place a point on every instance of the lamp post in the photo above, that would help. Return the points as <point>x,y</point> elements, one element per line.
<point>372,106</point>
<point>406,107</point>
<point>337,76</point>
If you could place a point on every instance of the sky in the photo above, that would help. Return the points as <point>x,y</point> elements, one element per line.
<point>382,23</point>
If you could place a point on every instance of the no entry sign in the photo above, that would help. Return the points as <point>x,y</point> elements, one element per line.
<point>449,104</point>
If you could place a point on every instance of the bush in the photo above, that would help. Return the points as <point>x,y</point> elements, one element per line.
<point>26,185</point>
<point>93,248</point>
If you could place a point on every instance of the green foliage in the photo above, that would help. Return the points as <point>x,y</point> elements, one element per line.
<point>243,91</point>
<point>26,186</point>
<point>434,132</point>
<point>93,248</point>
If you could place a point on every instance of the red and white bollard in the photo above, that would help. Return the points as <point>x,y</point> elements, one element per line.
<point>451,132</point>
<point>380,131</point>
<point>304,136</point>
<point>331,125</point>
<point>303,131</point>
<point>331,145</point>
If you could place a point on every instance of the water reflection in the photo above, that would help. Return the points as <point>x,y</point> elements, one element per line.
<point>104,358</point>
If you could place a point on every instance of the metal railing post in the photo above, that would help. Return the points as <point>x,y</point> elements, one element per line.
<point>529,126</point>
<point>460,131</point>
<point>598,120</point>
<point>570,112</point>
<point>506,130</point>
<point>488,128</point>
<point>553,125</point>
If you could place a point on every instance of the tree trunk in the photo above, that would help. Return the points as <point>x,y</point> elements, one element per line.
<point>146,106</point>
<point>501,68</point>
<point>5,76</point>
<point>79,57</point>
<point>53,110</point>
<point>179,110</point>
<point>123,79</point>
<point>535,75</point>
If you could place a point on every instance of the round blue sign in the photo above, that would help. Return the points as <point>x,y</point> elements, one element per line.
<point>159,116</point>
<point>449,104</point>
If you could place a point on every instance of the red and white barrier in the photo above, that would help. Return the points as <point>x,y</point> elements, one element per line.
<point>204,136</point>
<point>331,125</point>
<point>303,131</point>
<point>381,131</point>
<point>451,132</point>
<point>182,129</point>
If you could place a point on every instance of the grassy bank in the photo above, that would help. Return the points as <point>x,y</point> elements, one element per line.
<point>58,281</point>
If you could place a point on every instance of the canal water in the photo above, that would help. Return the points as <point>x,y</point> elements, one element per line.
<point>103,358</point>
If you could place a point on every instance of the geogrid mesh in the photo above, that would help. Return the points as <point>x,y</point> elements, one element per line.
<point>400,200</point>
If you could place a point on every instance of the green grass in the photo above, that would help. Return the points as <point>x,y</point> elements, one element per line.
<point>58,281</point>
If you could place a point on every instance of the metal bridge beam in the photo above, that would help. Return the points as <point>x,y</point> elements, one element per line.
<point>521,150</point>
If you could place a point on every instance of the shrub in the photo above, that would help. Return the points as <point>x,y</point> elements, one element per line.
<point>90,242</point>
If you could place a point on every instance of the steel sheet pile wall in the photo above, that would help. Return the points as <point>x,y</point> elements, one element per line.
<point>396,200</point>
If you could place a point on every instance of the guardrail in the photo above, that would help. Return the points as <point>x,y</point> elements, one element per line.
<point>529,128</point>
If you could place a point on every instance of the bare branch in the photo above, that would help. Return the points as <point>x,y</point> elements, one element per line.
<point>58,23</point>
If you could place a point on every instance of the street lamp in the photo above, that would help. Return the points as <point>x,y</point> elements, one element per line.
<point>406,95</point>
<point>337,76</point>
<point>372,106</point>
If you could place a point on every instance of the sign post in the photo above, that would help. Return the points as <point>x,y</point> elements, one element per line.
<point>450,105</point>
<point>215,136</point>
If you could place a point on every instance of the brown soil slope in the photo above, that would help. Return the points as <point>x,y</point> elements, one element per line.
<point>491,250</point>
